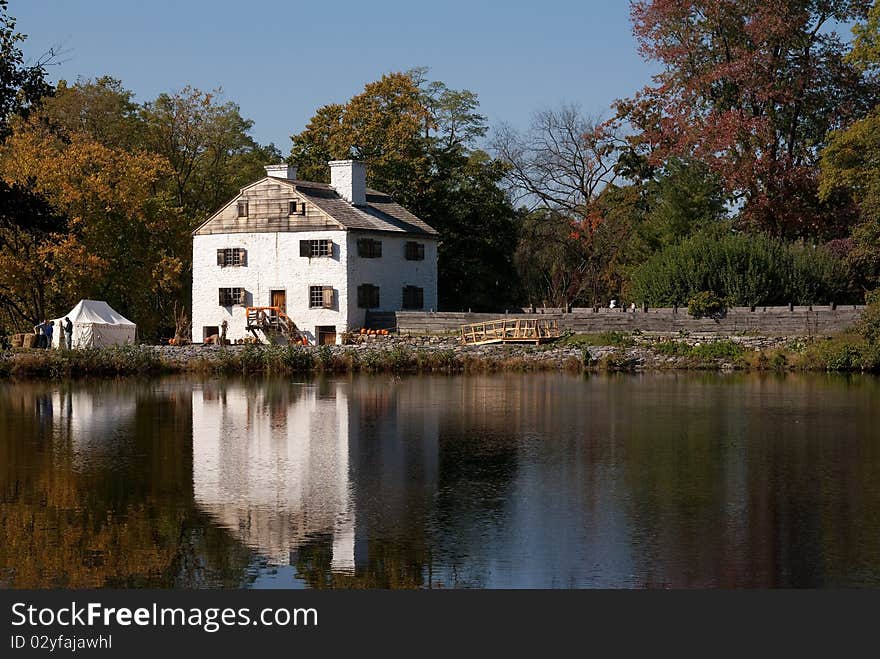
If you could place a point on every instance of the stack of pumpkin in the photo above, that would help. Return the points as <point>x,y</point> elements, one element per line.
<point>374,332</point>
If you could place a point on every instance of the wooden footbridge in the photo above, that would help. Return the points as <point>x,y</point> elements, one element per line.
<point>515,330</point>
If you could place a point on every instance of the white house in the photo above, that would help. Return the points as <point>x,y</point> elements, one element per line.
<point>321,254</point>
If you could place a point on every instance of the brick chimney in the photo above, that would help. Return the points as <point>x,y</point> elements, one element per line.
<point>349,179</point>
<point>282,170</point>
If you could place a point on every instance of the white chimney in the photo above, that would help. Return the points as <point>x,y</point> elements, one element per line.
<point>349,179</point>
<point>281,171</point>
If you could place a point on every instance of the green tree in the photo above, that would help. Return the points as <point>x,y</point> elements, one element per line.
<point>685,199</point>
<point>207,143</point>
<point>417,138</point>
<point>101,108</point>
<point>21,86</point>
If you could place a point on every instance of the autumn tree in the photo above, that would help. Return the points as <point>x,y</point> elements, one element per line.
<point>25,218</point>
<point>851,164</point>
<point>751,88</point>
<point>384,127</point>
<point>115,223</point>
<point>208,145</point>
<point>418,140</point>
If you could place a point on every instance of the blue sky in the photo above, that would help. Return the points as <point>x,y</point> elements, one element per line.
<point>281,60</point>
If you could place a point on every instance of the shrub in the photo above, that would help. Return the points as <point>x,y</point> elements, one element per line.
<point>744,270</point>
<point>706,304</point>
<point>870,323</point>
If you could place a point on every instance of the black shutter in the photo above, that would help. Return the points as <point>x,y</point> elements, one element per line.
<point>221,257</point>
<point>374,298</point>
<point>222,302</point>
<point>305,248</point>
<point>362,303</point>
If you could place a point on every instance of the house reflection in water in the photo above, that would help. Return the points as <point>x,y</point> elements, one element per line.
<point>281,466</point>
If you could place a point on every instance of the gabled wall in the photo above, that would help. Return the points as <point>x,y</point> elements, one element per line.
<point>268,211</point>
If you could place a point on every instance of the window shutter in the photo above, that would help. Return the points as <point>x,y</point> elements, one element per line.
<point>374,298</point>
<point>241,294</point>
<point>305,248</point>
<point>362,302</point>
<point>221,258</point>
<point>328,297</point>
<point>222,301</point>
<point>243,257</point>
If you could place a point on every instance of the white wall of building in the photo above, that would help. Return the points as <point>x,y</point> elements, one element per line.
<point>274,263</point>
<point>391,272</point>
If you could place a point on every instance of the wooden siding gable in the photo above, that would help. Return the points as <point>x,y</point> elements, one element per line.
<point>268,212</point>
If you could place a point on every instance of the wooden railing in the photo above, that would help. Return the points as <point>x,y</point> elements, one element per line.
<point>515,330</point>
<point>270,320</point>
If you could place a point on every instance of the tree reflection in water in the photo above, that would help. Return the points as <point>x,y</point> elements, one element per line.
<point>523,481</point>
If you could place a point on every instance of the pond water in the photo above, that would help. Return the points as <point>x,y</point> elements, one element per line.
<point>525,481</point>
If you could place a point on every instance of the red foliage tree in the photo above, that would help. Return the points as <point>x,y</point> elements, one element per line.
<point>751,87</point>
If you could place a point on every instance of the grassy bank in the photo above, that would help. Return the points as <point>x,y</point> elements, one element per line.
<point>612,353</point>
<point>89,362</point>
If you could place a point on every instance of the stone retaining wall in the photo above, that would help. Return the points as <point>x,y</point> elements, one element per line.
<point>765,321</point>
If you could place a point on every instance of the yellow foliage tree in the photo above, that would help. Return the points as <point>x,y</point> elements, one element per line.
<point>124,241</point>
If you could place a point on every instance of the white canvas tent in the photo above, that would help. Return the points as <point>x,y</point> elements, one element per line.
<point>96,324</point>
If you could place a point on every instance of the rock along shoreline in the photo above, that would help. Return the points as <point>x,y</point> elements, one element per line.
<point>611,352</point>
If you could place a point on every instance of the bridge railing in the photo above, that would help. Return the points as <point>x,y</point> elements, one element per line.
<point>513,330</point>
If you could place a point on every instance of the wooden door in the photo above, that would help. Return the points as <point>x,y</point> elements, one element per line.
<point>279,299</point>
<point>326,335</point>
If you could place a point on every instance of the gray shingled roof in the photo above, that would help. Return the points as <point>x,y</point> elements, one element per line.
<point>380,214</point>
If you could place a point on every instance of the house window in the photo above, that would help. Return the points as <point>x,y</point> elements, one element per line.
<point>231,256</point>
<point>320,297</point>
<point>242,209</point>
<point>292,208</point>
<point>368,296</point>
<point>413,297</point>
<point>315,248</point>
<point>415,251</point>
<point>369,248</point>
<point>231,296</point>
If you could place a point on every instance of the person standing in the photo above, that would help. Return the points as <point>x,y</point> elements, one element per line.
<point>68,332</point>
<point>48,328</point>
<point>41,337</point>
